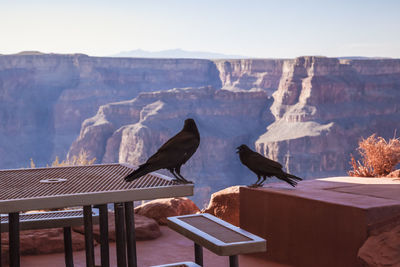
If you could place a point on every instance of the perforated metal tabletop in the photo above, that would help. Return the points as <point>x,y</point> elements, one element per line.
<point>58,187</point>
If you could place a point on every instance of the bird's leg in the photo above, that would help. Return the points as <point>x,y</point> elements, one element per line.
<point>178,179</point>
<point>256,183</point>
<point>178,171</point>
<point>262,181</point>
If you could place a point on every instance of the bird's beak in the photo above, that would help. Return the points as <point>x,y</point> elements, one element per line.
<point>237,150</point>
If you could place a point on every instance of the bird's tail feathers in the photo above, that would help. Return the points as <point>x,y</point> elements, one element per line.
<point>139,172</point>
<point>294,177</point>
<point>289,181</point>
<point>289,178</point>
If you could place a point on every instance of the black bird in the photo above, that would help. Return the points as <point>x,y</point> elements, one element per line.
<point>173,154</point>
<point>264,167</point>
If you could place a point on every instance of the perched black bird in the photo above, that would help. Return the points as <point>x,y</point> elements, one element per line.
<point>264,167</point>
<point>173,154</point>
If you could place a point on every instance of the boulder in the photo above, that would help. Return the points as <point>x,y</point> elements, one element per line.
<point>382,249</point>
<point>43,241</point>
<point>224,204</point>
<point>160,209</point>
<point>145,228</point>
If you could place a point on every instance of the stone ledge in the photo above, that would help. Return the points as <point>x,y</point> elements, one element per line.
<point>322,222</point>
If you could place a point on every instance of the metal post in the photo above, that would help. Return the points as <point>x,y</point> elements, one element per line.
<point>104,247</point>
<point>0,244</point>
<point>198,254</point>
<point>233,261</point>
<point>87,218</point>
<point>130,234</point>
<point>13,235</point>
<point>69,260</point>
<point>120,234</point>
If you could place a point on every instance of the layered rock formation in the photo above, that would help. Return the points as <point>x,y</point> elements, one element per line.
<point>131,131</point>
<point>45,97</point>
<point>250,74</point>
<point>323,106</point>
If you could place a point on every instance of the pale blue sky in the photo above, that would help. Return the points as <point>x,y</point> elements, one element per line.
<point>254,28</point>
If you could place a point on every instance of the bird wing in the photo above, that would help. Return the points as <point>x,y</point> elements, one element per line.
<point>176,150</point>
<point>258,159</point>
<point>263,166</point>
<point>260,165</point>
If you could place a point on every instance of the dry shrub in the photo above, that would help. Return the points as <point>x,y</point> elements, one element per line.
<point>32,164</point>
<point>378,157</point>
<point>81,159</point>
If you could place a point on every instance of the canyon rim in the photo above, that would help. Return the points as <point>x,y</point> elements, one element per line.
<point>308,113</point>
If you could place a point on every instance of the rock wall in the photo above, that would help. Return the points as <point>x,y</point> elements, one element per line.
<point>324,105</point>
<point>250,74</point>
<point>321,107</point>
<point>131,131</point>
<point>45,97</point>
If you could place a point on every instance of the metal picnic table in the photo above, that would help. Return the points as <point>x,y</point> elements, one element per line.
<point>61,187</point>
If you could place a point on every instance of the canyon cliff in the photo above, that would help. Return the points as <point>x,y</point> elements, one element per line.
<point>44,98</point>
<point>123,109</point>
<point>323,106</point>
<point>250,74</point>
<point>131,131</point>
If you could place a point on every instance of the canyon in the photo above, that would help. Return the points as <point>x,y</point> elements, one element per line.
<point>308,113</point>
<point>44,98</point>
<point>323,107</point>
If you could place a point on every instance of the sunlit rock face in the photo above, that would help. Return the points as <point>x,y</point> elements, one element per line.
<point>323,106</point>
<point>225,204</point>
<point>123,109</point>
<point>250,74</point>
<point>44,98</point>
<point>131,131</point>
<point>161,209</point>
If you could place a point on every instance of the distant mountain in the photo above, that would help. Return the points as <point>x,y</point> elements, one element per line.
<point>175,53</point>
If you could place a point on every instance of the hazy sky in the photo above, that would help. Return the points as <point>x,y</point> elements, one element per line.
<point>251,28</point>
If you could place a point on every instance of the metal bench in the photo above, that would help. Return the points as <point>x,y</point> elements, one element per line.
<point>218,236</point>
<point>52,219</point>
